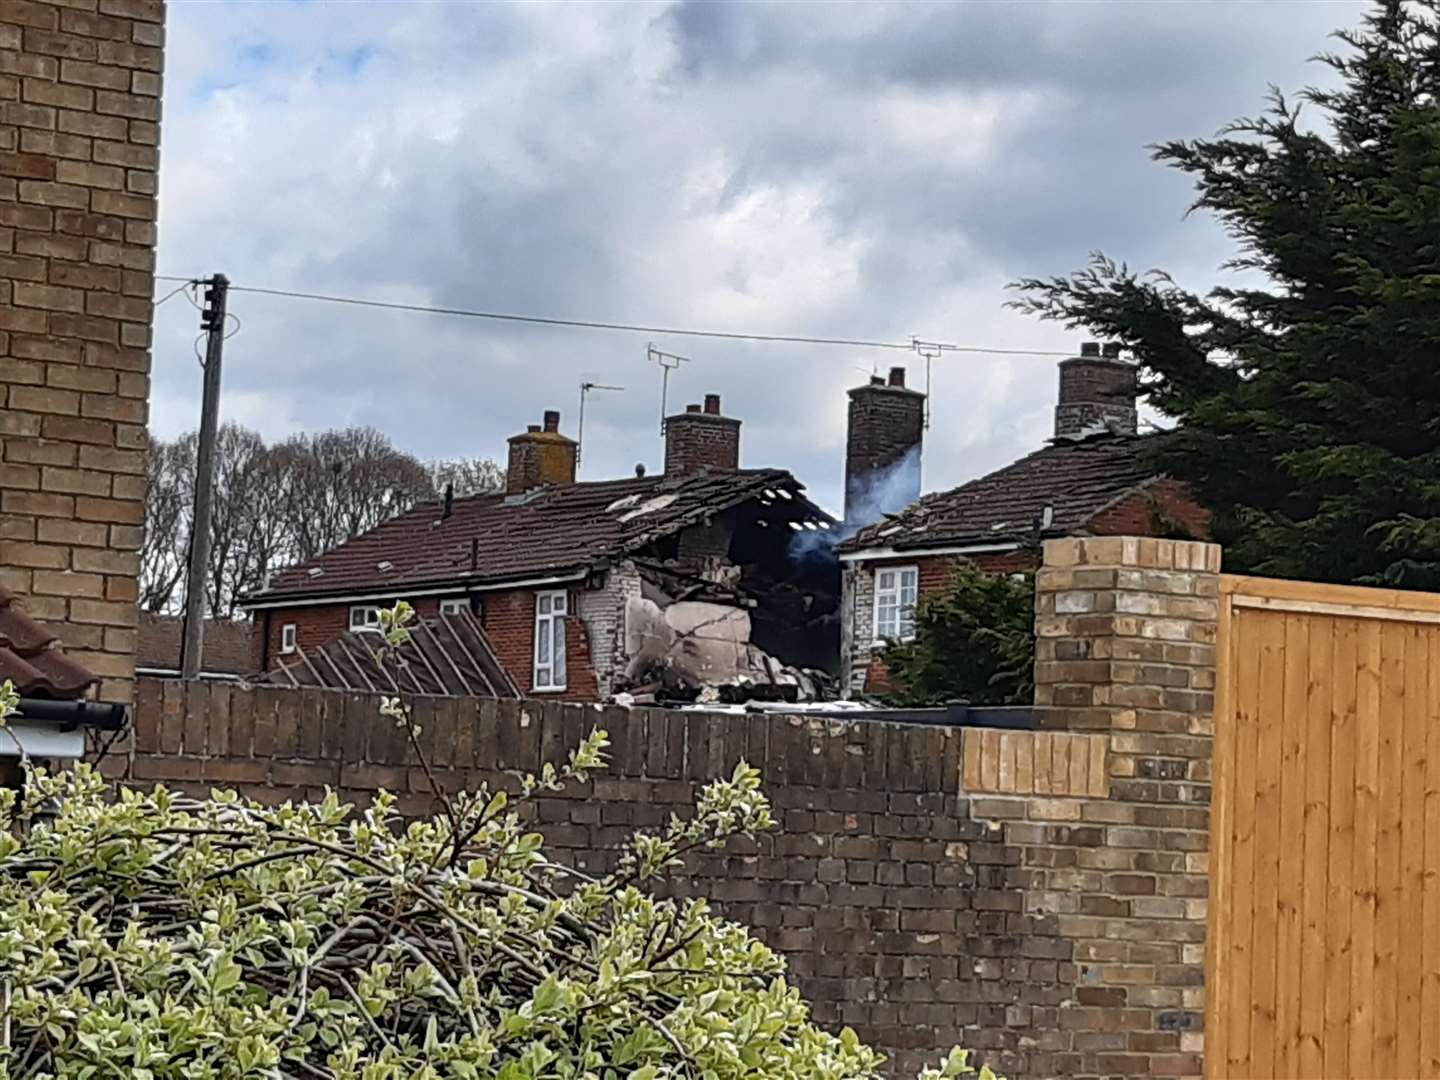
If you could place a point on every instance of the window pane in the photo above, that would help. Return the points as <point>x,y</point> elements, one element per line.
<point>542,676</point>
<point>887,579</point>
<point>543,604</point>
<point>558,627</point>
<point>908,578</point>
<point>560,599</point>
<point>542,643</point>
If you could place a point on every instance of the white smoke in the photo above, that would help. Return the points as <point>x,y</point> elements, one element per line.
<point>880,492</point>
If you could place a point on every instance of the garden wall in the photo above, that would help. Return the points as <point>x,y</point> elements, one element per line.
<point>1039,897</point>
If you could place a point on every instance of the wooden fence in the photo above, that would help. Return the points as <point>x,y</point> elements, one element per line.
<point>1324,936</point>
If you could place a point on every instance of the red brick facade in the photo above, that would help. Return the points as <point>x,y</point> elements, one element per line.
<point>508,618</point>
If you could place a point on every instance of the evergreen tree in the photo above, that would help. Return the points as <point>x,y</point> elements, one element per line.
<point>1309,404</point>
<point>974,642</point>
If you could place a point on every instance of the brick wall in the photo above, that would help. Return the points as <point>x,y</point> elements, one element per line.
<point>1038,896</point>
<point>79,131</point>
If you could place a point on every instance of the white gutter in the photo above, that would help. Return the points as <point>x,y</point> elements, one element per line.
<point>404,594</point>
<point>916,553</point>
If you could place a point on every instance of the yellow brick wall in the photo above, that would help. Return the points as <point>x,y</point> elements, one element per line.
<point>79,137</point>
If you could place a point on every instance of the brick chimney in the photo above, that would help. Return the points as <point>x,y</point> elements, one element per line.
<point>1097,392</point>
<point>882,448</point>
<point>701,438</point>
<point>541,456</point>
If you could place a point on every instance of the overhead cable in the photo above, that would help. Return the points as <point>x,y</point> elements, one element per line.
<point>734,335</point>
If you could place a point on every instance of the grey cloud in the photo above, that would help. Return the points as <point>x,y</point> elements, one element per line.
<point>874,170</point>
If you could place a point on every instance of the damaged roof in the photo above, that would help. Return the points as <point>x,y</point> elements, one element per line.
<point>31,659</point>
<point>226,645</point>
<point>1075,478</point>
<point>446,655</point>
<point>489,540</point>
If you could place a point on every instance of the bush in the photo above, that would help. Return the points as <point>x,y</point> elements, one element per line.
<point>974,642</point>
<point>156,936</point>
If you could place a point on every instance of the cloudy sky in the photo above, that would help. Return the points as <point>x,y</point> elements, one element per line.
<point>845,170</point>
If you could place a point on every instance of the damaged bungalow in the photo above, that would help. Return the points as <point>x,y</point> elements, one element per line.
<point>678,587</point>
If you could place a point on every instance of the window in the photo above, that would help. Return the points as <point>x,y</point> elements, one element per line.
<point>365,617</point>
<point>287,638</point>
<point>453,607</point>
<point>895,591</point>
<point>550,610</point>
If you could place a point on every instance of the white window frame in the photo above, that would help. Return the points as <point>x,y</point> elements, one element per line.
<point>365,618</point>
<point>893,618</point>
<point>454,605</point>
<point>549,674</point>
<point>287,638</point>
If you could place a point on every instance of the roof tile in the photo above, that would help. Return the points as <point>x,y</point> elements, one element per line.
<point>491,539</point>
<point>30,657</point>
<point>1075,479</point>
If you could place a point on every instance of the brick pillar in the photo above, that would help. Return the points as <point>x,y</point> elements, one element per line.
<point>1111,823</point>
<point>1126,646</point>
<point>79,131</point>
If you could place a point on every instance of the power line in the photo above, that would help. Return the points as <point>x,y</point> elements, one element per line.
<point>732,335</point>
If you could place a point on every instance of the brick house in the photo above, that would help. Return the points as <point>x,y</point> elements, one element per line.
<point>655,584</point>
<point>1094,478</point>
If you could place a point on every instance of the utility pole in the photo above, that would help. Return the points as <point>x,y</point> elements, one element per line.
<point>212,321</point>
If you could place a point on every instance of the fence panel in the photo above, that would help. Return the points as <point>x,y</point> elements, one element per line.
<point>1324,924</point>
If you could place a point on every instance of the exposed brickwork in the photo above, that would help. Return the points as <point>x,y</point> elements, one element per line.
<point>701,439</point>
<point>79,112</point>
<point>886,425</point>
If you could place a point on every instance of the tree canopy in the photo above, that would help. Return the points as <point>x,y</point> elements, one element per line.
<point>1307,390</point>
<point>974,641</point>
<point>282,503</point>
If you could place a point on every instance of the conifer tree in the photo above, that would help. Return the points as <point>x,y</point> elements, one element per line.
<point>1307,393</point>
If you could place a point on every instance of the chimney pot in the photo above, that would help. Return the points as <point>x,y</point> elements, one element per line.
<point>712,404</point>
<point>532,428</point>
<point>897,376</point>
<point>1089,348</point>
<point>639,469</point>
<point>552,420</point>
<point>876,380</point>
<point>692,408</point>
